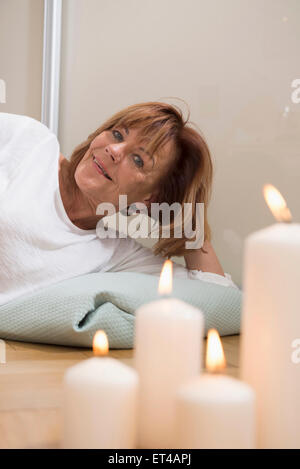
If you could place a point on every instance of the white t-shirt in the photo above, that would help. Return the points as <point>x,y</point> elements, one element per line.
<point>39,245</point>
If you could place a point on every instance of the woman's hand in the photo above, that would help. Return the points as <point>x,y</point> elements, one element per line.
<point>197,259</point>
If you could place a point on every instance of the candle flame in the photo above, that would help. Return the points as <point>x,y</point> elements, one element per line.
<point>215,358</point>
<point>165,281</point>
<point>276,204</point>
<point>100,343</point>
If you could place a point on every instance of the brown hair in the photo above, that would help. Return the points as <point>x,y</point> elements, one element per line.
<point>189,180</point>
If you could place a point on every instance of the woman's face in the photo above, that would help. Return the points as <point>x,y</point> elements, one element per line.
<point>129,170</point>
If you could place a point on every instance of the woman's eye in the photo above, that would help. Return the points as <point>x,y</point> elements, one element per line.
<point>138,161</point>
<point>136,158</point>
<point>117,135</point>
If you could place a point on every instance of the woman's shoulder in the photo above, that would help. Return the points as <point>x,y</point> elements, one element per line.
<point>21,128</point>
<point>12,124</point>
<point>10,119</point>
<point>20,135</point>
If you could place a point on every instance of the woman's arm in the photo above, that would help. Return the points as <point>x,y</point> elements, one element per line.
<point>130,256</point>
<point>196,259</point>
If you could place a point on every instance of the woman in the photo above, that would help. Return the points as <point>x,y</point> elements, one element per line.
<point>48,204</point>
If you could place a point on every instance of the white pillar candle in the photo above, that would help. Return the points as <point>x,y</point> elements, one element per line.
<point>270,325</point>
<point>100,402</point>
<point>168,343</point>
<point>215,411</point>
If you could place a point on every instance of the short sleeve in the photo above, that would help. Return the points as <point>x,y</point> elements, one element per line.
<point>212,277</point>
<point>10,125</point>
<point>19,135</point>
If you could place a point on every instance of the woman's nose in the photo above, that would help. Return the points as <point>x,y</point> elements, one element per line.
<point>115,152</point>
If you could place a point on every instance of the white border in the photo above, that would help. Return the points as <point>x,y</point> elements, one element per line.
<point>51,64</point>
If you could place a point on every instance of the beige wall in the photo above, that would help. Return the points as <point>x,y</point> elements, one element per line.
<point>21,50</point>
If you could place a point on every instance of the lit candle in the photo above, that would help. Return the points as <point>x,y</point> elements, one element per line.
<point>215,411</point>
<point>168,343</point>
<point>100,402</point>
<point>270,325</point>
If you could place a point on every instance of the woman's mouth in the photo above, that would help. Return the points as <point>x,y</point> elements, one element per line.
<point>100,169</point>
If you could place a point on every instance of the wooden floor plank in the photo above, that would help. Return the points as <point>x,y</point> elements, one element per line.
<point>31,389</point>
<point>28,429</point>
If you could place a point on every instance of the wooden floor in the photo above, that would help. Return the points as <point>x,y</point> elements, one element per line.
<point>31,389</point>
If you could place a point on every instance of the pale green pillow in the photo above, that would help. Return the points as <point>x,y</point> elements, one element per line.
<point>69,312</point>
